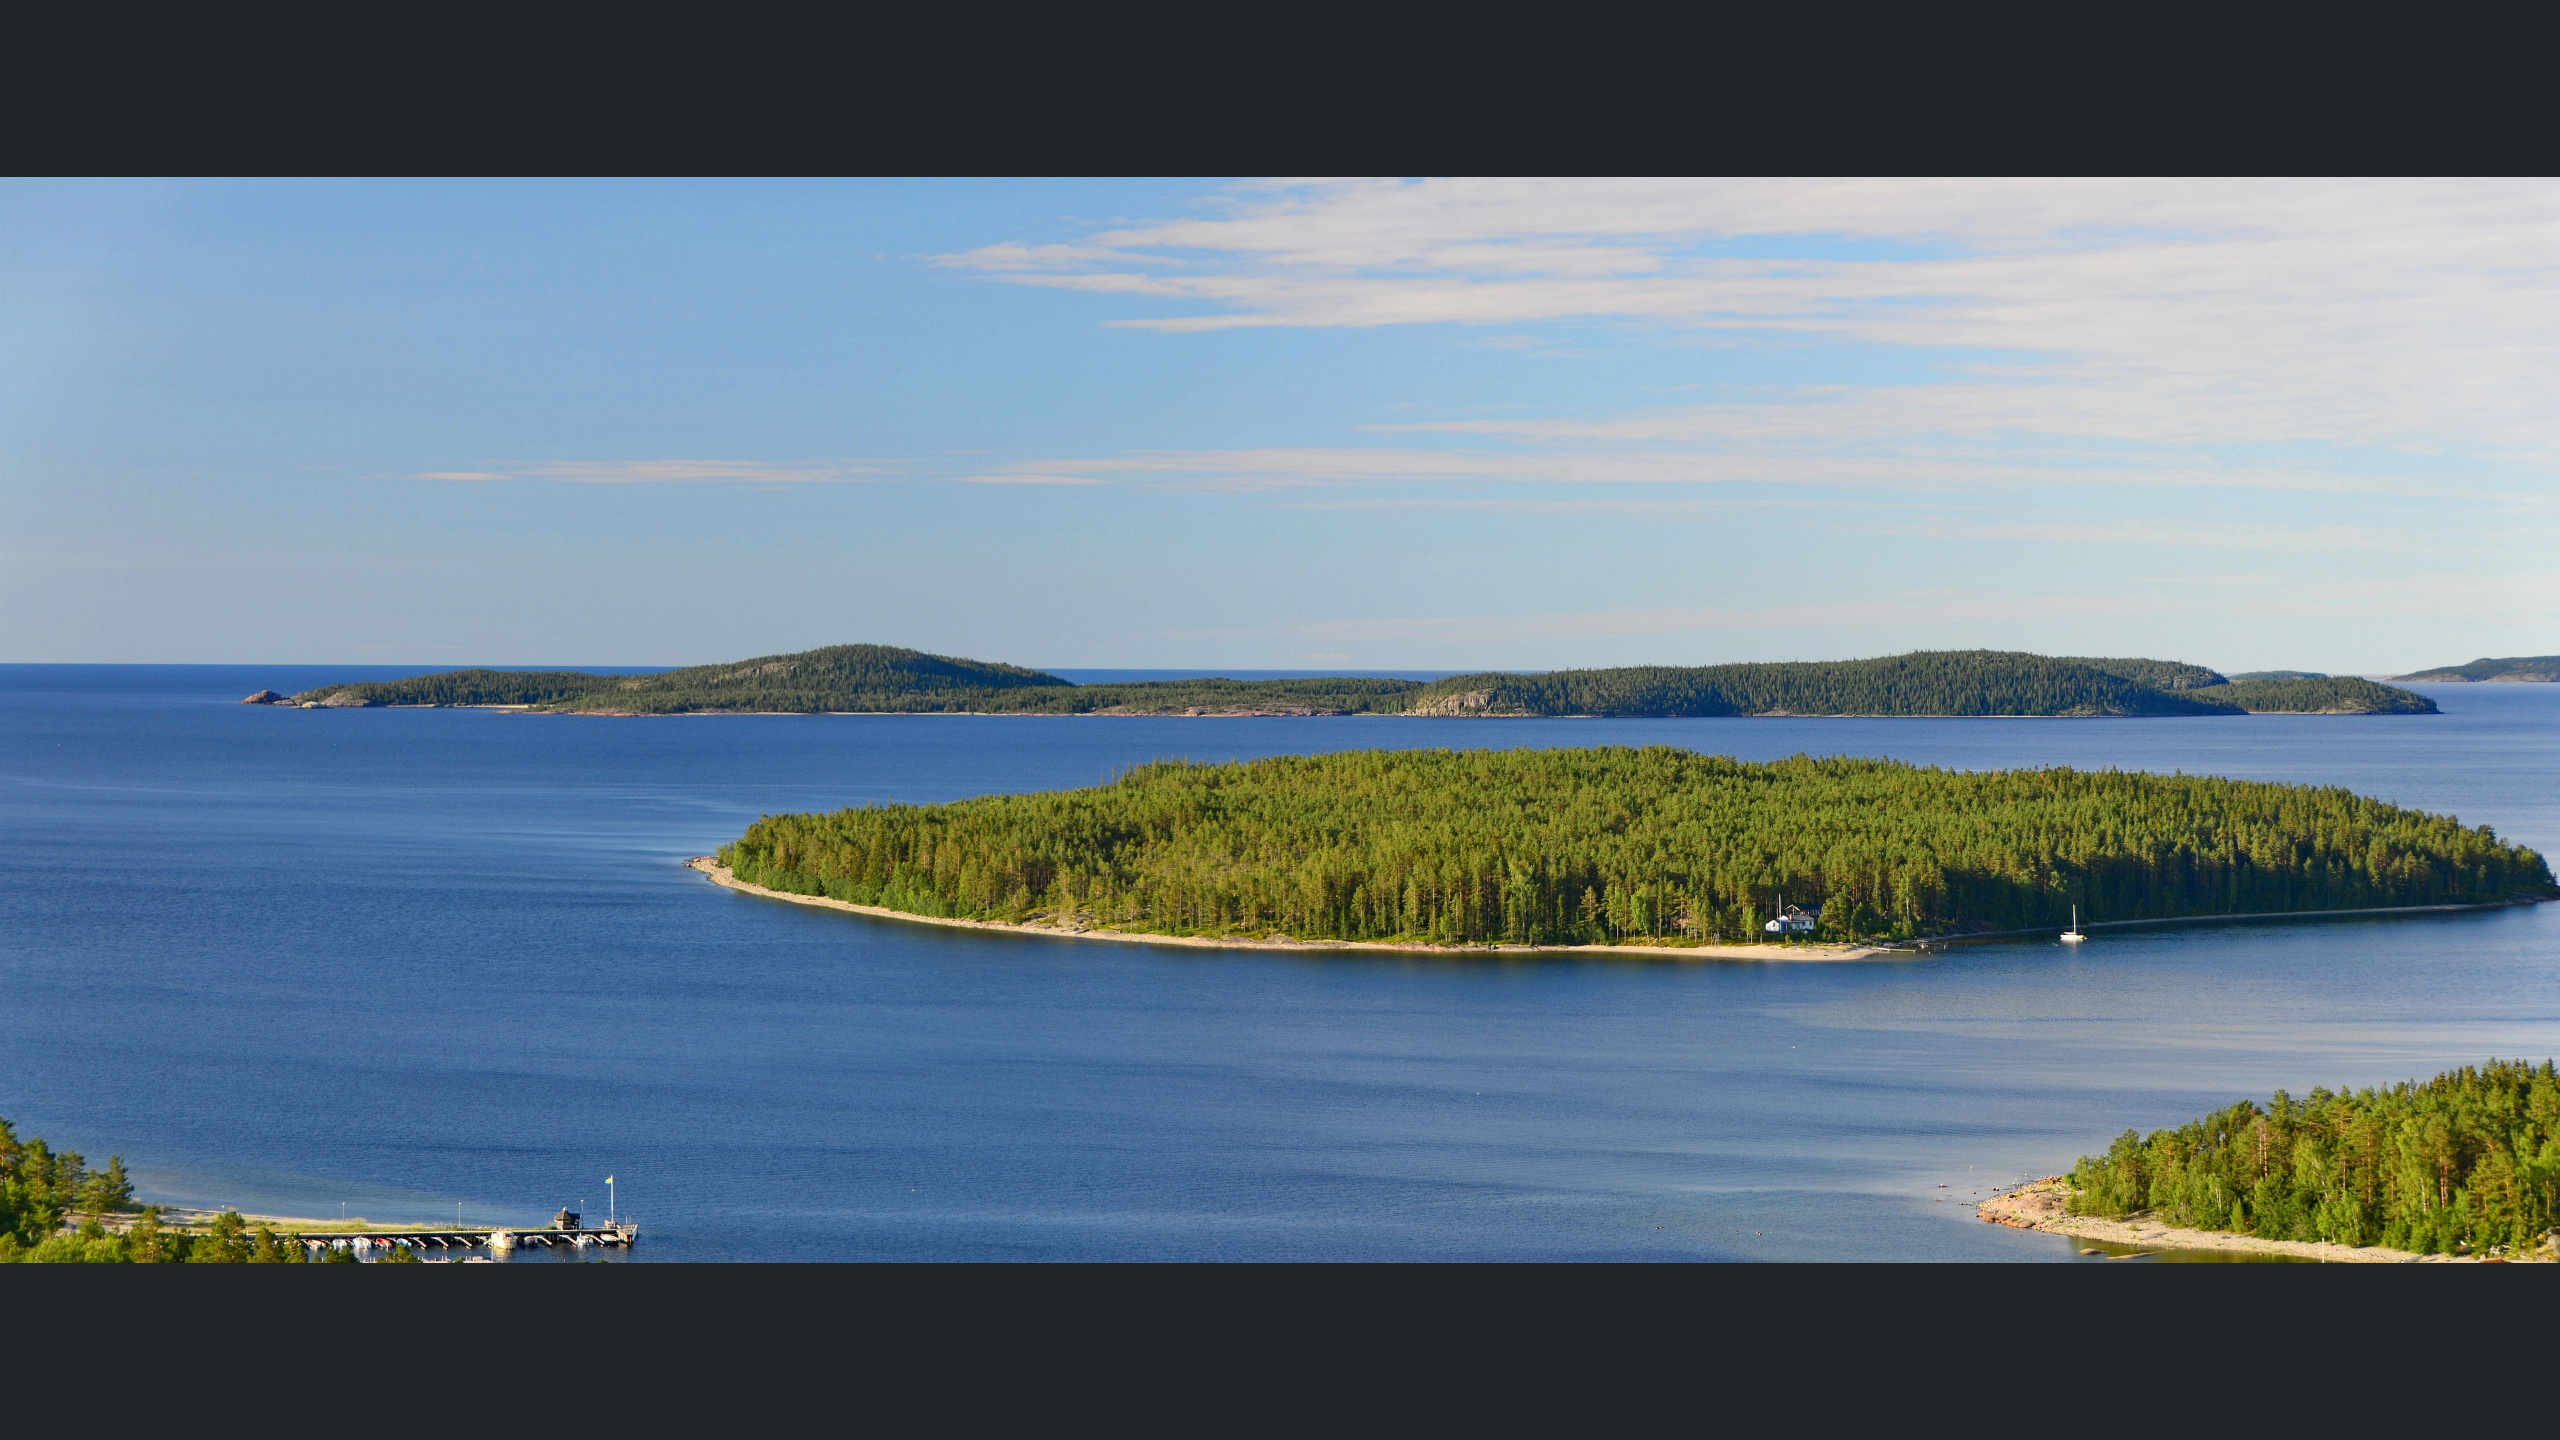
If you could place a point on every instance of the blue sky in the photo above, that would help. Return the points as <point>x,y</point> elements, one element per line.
<point>1442,425</point>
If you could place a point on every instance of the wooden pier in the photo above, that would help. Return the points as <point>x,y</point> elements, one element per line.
<point>496,1239</point>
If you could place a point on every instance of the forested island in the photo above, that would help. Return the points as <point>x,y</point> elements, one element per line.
<point>879,679</point>
<point>2468,1162</point>
<point>1616,845</point>
<point>2531,669</point>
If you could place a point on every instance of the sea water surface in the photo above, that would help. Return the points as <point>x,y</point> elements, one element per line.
<point>406,961</point>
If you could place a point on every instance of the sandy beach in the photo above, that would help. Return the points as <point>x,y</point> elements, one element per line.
<point>199,1218</point>
<point>2045,1205</point>
<point>719,874</point>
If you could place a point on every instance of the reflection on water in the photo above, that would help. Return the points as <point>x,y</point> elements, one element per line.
<point>285,960</point>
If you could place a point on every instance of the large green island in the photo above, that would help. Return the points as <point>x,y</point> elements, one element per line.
<point>879,679</point>
<point>1620,846</point>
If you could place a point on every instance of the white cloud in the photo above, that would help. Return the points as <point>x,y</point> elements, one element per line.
<point>1282,469</point>
<point>2335,312</point>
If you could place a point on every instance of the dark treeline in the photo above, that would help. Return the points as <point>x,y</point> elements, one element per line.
<point>877,678</point>
<point>809,680</point>
<point>1329,695</point>
<point>2315,695</point>
<point>870,678</point>
<point>462,687</point>
<point>2468,1159</point>
<point>2543,668</point>
<point>1945,682</point>
<point>2157,674</point>
<point>1609,845</point>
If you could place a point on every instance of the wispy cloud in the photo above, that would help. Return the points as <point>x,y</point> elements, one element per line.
<point>1479,505</point>
<point>1938,607</point>
<point>2150,534</point>
<point>1029,477</point>
<point>1936,469</point>
<point>2220,599</point>
<point>672,472</point>
<point>2324,311</point>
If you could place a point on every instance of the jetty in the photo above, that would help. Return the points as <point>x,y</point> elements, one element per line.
<point>564,1232</point>
<point>617,1236</point>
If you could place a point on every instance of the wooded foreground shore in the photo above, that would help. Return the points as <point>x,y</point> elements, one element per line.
<point>2046,1205</point>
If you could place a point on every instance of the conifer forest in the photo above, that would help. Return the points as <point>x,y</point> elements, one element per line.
<point>2469,1160</point>
<point>1607,845</point>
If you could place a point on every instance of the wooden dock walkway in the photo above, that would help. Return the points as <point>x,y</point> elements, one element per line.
<point>480,1237</point>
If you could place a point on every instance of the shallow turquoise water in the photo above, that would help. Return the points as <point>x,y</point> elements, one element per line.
<point>405,959</point>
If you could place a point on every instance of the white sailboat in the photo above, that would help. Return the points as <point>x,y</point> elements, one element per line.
<point>2073,936</point>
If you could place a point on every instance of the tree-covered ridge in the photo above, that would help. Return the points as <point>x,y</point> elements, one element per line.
<point>459,687</point>
<point>849,677</point>
<point>809,680</point>
<point>867,678</point>
<point>2514,667</point>
<point>2323,695</point>
<point>878,678</point>
<point>2468,1159</point>
<point>2157,674</point>
<point>2280,675</point>
<point>1940,682</point>
<point>1333,695</point>
<point>1604,845</point>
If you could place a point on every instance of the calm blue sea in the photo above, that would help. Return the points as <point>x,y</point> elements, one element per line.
<point>404,961</point>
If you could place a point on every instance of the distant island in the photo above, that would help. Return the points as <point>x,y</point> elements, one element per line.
<point>2457,1165</point>
<point>881,679</point>
<point>2535,669</point>
<point>1623,846</point>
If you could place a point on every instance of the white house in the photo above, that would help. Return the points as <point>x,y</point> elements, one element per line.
<point>1795,920</point>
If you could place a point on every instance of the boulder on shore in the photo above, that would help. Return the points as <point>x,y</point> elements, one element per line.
<point>344,699</point>
<point>264,697</point>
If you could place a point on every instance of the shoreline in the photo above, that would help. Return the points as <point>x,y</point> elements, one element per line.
<point>719,874</point>
<point>2512,902</point>
<point>1116,713</point>
<point>195,1219</point>
<point>2045,1205</point>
